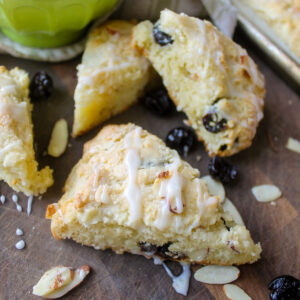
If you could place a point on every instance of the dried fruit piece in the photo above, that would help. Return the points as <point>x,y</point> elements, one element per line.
<point>213,123</point>
<point>215,187</point>
<point>233,292</point>
<point>181,139</point>
<point>266,192</point>
<point>161,37</point>
<point>59,138</point>
<point>219,168</point>
<point>217,274</point>
<point>158,101</point>
<point>293,145</point>
<point>284,287</point>
<point>58,281</point>
<point>41,86</point>
<point>230,207</point>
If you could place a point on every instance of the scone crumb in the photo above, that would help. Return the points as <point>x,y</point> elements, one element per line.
<point>293,145</point>
<point>51,210</point>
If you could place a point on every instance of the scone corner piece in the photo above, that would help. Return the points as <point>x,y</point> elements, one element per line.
<point>208,76</point>
<point>131,193</point>
<point>19,169</point>
<point>111,76</point>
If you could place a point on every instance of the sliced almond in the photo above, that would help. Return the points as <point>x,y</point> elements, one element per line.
<point>53,286</point>
<point>215,187</point>
<point>230,207</point>
<point>233,292</point>
<point>293,145</point>
<point>266,192</point>
<point>59,138</point>
<point>52,280</point>
<point>217,274</point>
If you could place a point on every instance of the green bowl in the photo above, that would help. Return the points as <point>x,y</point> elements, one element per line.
<point>50,23</point>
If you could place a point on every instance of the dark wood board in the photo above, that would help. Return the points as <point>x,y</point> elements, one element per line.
<point>131,276</point>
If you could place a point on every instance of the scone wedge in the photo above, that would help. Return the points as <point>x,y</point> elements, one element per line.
<point>18,167</point>
<point>208,76</point>
<point>111,76</point>
<point>130,192</point>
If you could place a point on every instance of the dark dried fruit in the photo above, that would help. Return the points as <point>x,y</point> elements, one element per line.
<point>181,139</point>
<point>213,123</point>
<point>158,101</point>
<point>161,37</point>
<point>41,86</point>
<point>284,287</point>
<point>161,251</point>
<point>147,247</point>
<point>222,170</point>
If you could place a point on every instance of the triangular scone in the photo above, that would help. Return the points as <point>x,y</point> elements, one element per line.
<point>111,76</point>
<point>208,76</point>
<point>18,166</point>
<point>130,192</point>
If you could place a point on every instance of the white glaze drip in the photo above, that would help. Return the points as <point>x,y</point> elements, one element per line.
<point>15,200</point>
<point>170,189</point>
<point>181,282</point>
<point>2,199</point>
<point>29,204</point>
<point>157,260</point>
<point>20,245</point>
<point>132,161</point>
<point>19,231</point>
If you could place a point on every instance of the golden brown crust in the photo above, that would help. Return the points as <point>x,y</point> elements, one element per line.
<point>213,77</point>
<point>97,208</point>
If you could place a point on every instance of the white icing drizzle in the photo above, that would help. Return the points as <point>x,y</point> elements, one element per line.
<point>15,200</point>
<point>2,199</point>
<point>181,282</point>
<point>19,231</point>
<point>132,162</point>
<point>29,204</point>
<point>170,189</point>
<point>20,245</point>
<point>157,260</point>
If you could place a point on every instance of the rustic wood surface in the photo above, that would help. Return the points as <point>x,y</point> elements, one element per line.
<point>131,276</point>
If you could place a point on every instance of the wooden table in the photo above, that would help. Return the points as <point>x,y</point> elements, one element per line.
<point>131,276</point>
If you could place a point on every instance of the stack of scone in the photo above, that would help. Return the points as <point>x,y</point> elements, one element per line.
<point>130,192</point>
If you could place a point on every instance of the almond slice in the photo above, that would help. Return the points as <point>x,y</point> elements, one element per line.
<point>217,274</point>
<point>58,281</point>
<point>215,187</point>
<point>230,207</point>
<point>266,192</point>
<point>59,138</point>
<point>293,145</point>
<point>233,292</point>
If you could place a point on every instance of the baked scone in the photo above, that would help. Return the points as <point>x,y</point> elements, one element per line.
<point>282,17</point>
<point>208,76</point>
<point>130,192</point>
<point>19,168</point>
<point>111,76</point>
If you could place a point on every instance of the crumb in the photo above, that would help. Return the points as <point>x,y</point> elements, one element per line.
<point>186,122</point>
<point>273,203</point>
<point>198,157</point>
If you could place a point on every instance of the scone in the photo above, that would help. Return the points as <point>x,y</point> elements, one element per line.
<point>282,20</point>
<point>130,192</point>
<point>19,168</point>
<point>111,76</point>
<point>208,76</point>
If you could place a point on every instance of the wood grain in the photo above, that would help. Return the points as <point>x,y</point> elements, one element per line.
<point>133,277</point>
